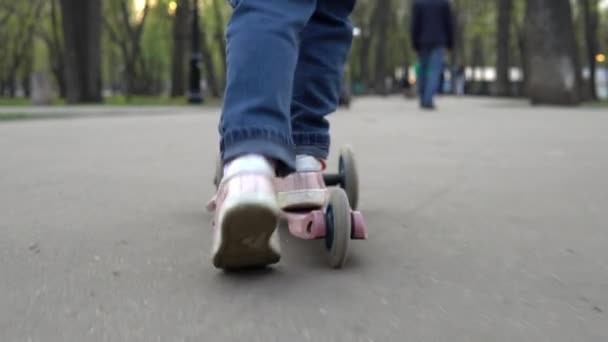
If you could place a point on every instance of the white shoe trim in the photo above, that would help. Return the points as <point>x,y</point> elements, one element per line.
<point>302,199</point>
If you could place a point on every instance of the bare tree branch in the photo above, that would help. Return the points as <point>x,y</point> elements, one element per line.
<point>10,10</point>
<point>9,7</point>
<point>112,33</point>
<point>13,58</point>
<point>139,28</point>
<point>28,34</point>
<point>138,31</point>
<point>116,39</point>
<point>46,37</point>
<point>55,25</point>
<point>5,19</point>
<point>126,17</point>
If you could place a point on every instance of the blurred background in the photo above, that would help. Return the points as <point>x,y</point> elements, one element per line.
<point>154,51</point>
<point>487,218</point>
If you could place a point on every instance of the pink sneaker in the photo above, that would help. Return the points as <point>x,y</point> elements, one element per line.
<point>301,191</point>
<point>246,218</point>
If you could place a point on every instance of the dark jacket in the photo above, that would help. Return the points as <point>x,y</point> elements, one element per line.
<point>432,24</point>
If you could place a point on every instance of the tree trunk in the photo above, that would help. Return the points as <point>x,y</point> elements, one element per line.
<point>57,52</point>
<point>12,87</point>
<point>59,74</point>
<point>82,36</point>
<point>28,66</point>
<point>381,17</point>
<point>521,44</point>
<point>209,69</point>
<point>220,39</point>
<point>478,62</point>
<point>503,48</point>
<point>553,68</point>
<point>458,53</point>
<point>130,77</point>
<point>362,45</point>
<point>181,31</point>
<point>366,42</point>
<point>591,20</point>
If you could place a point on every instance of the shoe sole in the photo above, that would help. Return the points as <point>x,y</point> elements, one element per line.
<point>245,242</point>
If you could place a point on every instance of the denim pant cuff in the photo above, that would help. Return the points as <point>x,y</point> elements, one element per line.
<point>312,144</point>
<point>262,141</point>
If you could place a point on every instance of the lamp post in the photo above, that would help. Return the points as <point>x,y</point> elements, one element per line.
<point>195,94</point>
<point>601,58</point>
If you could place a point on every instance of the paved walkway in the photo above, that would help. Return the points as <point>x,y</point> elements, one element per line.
<point>488,222</point>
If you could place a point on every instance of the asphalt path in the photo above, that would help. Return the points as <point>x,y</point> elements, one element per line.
<point>488,221</point>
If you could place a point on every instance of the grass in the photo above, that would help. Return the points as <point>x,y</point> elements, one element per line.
<point>18,101</point>
<point>119,101</point>
<point>143,101</point>
<point>598,104</point>
<point>13,116</point>
<point>155,101</point>
<point>24,101</point>
<point>25,114</point>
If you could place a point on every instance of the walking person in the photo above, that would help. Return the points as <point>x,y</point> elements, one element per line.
<point>432,32</point>
<point>460,78</point>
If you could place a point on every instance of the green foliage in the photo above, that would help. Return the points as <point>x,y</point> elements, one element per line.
<point>32,41</point>
<point>24,101</point>
<point>143,100</point>
<point>121,100</point>
<point>19,20</point>
<point>13,116</point>
<point>156,43</point>
<point>14,101</point>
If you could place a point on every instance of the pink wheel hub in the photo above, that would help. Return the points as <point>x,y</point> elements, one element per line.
<point>307,226</point>
<point>311,225</point>
<point>359,230</point>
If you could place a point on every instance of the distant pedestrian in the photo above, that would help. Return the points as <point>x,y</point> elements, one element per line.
<point>460,80</point>
<point>432,32</point>
<point>441,86</point>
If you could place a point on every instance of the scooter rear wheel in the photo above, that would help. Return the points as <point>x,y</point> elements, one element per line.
<point>338,228</point>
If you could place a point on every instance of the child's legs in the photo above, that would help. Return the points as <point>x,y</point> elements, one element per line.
<point>325,42</point>
<point>262,53</point>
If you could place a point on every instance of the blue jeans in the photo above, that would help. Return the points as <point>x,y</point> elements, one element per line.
<point>285,65</point>
<point>431,67</point>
